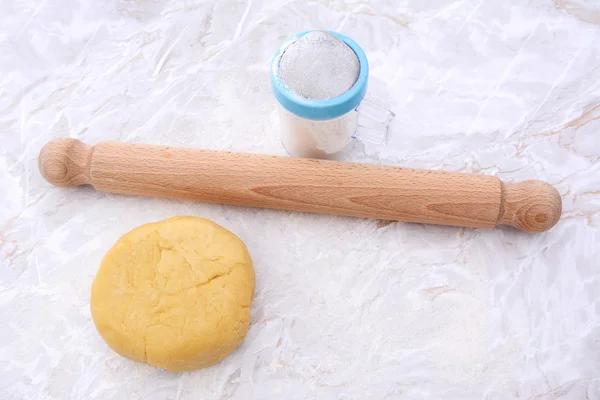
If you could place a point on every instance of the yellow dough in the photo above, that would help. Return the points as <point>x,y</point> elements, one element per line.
<point>175,294</point>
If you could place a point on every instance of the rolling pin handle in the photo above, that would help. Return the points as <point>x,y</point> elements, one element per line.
<point>66,162</point>
<point>530,206</point>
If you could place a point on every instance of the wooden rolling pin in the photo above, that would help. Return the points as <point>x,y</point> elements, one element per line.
<point>360,190</point>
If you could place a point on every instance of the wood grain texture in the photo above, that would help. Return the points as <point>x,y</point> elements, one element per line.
<point>299,184</point>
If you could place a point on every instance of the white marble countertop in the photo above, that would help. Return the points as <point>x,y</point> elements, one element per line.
<point>345,308</point>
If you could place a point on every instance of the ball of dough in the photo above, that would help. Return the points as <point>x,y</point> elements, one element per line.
<point>175,294</point>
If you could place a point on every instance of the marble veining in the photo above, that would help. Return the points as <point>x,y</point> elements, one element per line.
<point>345,308</point>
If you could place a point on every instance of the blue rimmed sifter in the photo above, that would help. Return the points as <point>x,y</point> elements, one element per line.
<point>319,79</point>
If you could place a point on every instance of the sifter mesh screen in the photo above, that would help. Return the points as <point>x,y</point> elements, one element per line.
<point>319,66</point>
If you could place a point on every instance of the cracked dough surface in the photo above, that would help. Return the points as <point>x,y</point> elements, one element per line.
<point>175,294</point>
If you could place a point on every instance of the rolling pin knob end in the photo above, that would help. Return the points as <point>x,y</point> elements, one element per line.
<point>530,206</point>
<point>65,162</point>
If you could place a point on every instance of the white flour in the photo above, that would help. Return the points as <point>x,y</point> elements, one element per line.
<point>329,139</point>
<point>319,66</point>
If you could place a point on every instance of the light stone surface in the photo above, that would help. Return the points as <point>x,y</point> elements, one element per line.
<point>345,308</point>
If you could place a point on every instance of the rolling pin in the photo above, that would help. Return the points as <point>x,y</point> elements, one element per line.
<point>299,184</point>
